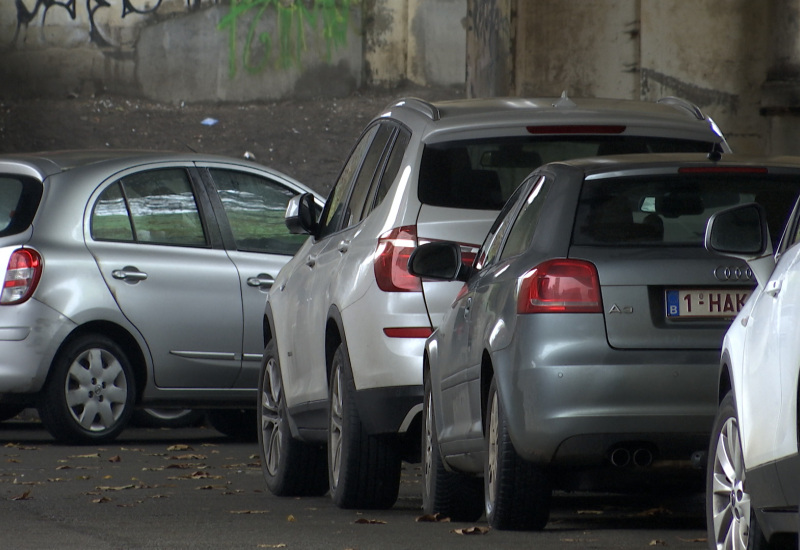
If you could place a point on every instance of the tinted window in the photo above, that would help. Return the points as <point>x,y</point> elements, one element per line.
<point>673,210</point>
<point>392,166</point>
<point>366,175</point>
<point>155,207</point>
<point>522,231</point>
<point>482,174</point>
<point>19,199</point>
<point>255,207</point>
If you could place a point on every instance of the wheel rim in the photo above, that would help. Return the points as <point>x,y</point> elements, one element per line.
<point>730,502</point>
<point>96,390</point>
<point>492,454</point>
<point>271,416</point>
<point>335,431</point>
<point>427,463</point>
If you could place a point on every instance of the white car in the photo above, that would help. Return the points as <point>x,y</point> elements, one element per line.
<point>753,474</point>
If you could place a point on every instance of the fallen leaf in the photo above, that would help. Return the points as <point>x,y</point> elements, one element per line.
<point>652,512</point>
<point>64,467</point>
<point>701,539</point>
<point>95,455</point>
<point>120,488</point>
<point>279,545</point>
<point>471,531</point>
<point>55,479</point>
<point>366,521</point>
<point>13,461</point>
<point>253,512</point>
<point>101,500</point>
<point>188,457</point>
<point>24,496</point>
<point>179,447</point>
<point>433,518</point>
<point>657,543</point>
<point>290,518</point>
<point>590,512</point>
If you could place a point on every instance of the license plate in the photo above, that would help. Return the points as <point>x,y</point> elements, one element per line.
<point>706,303</point>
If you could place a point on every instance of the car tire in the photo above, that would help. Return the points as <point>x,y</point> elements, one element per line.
<point>291,467</point>
<point>517,493</point>
<point>730,520</point>
<point>90,393</point>
<point>450,494</point>
<point>363,469</point>
<point>238,424</point>
<point>7,412</point>
<point>167,418</point>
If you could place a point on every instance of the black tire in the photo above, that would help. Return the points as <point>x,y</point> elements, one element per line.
<point>451,494</point>
<point>167,418</point>
<point>238,424</point>
<point>291,467</point>
<point>7,412</point>
<point>90,393</point>
<point>517,493</point>
<point>363,469</point>
<point>729,516</point>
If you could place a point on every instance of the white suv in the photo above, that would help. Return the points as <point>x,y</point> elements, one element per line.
<point>345,323</point>
<point>753,473</point>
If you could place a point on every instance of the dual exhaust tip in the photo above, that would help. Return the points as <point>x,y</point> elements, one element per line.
<point>623,456</point>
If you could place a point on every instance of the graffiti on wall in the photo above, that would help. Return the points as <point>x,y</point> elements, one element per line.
<point>329,17</point>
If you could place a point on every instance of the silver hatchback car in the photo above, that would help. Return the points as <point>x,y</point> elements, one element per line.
<point>586,334</point>
<point>345,323</point>
<point>134,278</point>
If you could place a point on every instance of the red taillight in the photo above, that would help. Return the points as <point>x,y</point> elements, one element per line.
<point>577,129</point>
<point>22,276</point>
<point>391,260</point>
<point>560,286</point>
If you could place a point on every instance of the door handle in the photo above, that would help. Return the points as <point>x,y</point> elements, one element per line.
<point>129,274</point>
<point>262,280</point>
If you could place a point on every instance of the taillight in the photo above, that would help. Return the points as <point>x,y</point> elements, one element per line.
<point>560,286</point>
<point>391,260</point>
<point>22,276</point>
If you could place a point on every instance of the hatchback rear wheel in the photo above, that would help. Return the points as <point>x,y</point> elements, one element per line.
<point>517,493</point>
<point>89,396</point>
<point>290,467</point>
<point>363,469</point>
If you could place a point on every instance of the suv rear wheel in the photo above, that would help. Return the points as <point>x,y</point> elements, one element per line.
<point>363,469</point>
<point>290,467</point>
<point>89,396</point>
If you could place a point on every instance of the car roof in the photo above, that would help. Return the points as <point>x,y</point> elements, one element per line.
<point>669,112</point>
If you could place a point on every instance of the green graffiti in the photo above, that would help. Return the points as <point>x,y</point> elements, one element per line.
<point>293,19</point>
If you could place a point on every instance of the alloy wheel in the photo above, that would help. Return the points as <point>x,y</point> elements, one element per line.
<point>336,423</point>
<point>271,416</point>
<point>730,500</point>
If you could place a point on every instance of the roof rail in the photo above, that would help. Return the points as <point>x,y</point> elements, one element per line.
<point>426,108</point>
<point>684,105</point>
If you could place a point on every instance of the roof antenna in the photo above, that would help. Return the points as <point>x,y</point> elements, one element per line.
<point>564,101</point>
<point>716,154</point>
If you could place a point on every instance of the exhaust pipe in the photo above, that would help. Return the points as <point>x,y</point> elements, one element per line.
<point>620,457</point>
<point>642,457</point>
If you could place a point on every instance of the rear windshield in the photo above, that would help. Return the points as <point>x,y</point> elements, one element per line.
<point>482,174</point>
<point>19,199</point>
<point>673,210</point>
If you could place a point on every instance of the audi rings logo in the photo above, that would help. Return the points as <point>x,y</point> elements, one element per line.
<point>725,273</point>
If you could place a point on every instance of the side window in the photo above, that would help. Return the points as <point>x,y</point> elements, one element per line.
<point>494,239</point>
<point>521,233</point>
<point>333,213</point>
<point>19,200</point>
<point>255,208</point>
<point>358,199</point>
<point>392,168</point>
<point>160,207</point>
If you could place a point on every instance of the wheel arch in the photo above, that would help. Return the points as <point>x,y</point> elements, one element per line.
<point>487,373</point>
<point>334,337</point>
<point>725,383</point>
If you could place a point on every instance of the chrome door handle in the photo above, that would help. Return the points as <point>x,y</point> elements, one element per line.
<point>262,280</point>
<point>129,274</point>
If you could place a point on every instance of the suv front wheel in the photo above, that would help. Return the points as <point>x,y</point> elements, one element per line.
<point>363,469</point>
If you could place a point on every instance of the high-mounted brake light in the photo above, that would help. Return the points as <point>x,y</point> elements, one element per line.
<point>22,275</point>
<point>577,129</point>
<point>722,170</point>
<point>560,286</point>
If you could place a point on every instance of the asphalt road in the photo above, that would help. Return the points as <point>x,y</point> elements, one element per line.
<point>193,488</point>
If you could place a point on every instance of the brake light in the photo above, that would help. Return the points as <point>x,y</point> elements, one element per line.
<point>391,260</point>
<point>560,286</point>
<point>577,129</point>
<point>22,275</point>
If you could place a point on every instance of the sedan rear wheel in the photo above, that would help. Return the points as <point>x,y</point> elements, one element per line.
<point>89,396</point>
<point>290,467</point>
<point>517,493</point>
<point>363,469</point>
<point>730,519</point>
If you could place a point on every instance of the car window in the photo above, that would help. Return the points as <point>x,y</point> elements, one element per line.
<point>392,167</point>
<point>357,205</point>
<point>481,174</point>
<point>334,211</point>
<point>255,208</point>
<point>157,207</point>
<point>494,239</point>
<point>673,210</point>
<point>521,233</point>
<point>19,199</point>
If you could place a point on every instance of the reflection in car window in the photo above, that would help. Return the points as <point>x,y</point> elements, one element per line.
<point>491,244</point>
<point>255,208</point>
<point>19,199</point>
<point>392,166</point>
<point>524,226</point>
<point>366,174</point>
<point>333,212</point>
<point>160,208</point>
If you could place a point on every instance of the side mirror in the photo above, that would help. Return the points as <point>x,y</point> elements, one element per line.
<point>439,260</point>
<point>741,232</point>
<point>302,215</point>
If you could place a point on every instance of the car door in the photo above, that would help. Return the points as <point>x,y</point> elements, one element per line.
<point>251,207</point>
<point>158,248</point>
